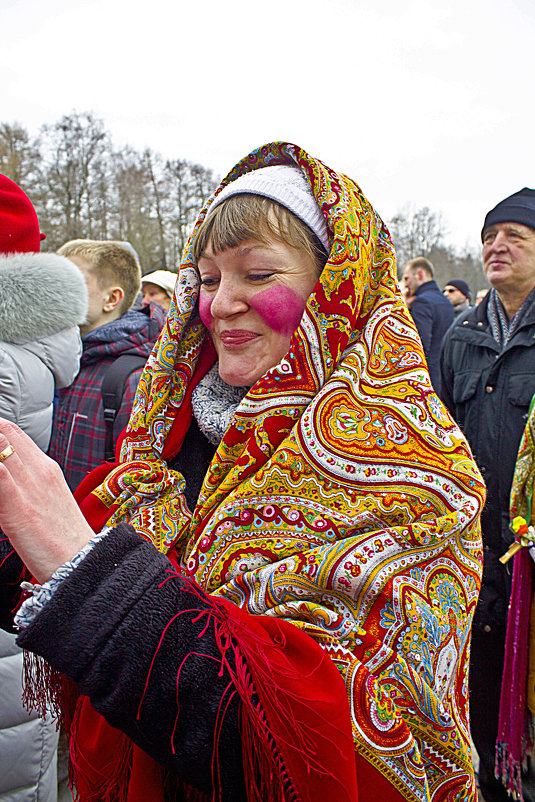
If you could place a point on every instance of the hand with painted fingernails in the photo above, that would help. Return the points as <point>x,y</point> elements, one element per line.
<point>37,510</point>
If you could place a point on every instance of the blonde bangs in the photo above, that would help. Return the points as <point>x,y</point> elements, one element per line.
<point>253,217</point>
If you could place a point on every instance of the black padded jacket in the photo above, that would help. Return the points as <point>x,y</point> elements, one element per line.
<point>488,392</point>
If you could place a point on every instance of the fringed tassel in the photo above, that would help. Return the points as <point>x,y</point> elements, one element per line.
<point>509,772</point>
<point>514,735</point>
<point>263,779</point>
<point>50,693</point>
<point>43,688</point>
<point>264,773</point>
<point>109,781</point>
<point>111,788</point>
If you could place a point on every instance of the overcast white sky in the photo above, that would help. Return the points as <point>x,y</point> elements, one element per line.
<point>427,103</point>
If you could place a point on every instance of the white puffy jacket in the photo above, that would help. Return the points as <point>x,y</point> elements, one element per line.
<point>28,744</point>
<point>29,374</point>
<point>43,299</point>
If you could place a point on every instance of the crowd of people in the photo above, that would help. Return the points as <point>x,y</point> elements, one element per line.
<point>479,359</point>
<point>245,543</point>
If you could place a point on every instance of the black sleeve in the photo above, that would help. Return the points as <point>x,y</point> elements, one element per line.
<point>446,375</point>
<point>121,609</point>
<point>422,314</point>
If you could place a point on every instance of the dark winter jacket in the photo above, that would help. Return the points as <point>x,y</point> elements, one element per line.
<point>488,392</point>
<point>79,430</point>
<point>109,656</point>
<point>433,315</point>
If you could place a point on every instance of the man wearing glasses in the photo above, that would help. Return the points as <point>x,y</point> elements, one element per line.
<point>488,381</point>
<point>458,294</point>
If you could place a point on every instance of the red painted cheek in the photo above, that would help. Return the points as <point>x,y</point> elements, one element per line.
<point>204,310</point>
<point>281,308</point>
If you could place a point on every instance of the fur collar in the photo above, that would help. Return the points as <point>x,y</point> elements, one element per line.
<point>40,294</point>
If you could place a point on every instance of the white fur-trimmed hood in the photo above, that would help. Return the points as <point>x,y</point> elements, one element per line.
<point>40,294</point>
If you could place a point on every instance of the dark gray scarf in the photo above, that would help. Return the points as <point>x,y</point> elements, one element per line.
<point>503,328</point>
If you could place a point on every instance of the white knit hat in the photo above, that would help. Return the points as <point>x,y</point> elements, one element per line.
<point>286,185</point>
<point>162,278</point>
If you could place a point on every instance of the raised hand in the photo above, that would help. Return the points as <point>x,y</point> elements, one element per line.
<point>37,511</point>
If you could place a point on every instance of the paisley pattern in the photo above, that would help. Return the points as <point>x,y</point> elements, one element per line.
<point>517,698</point>
<point>342,498</point>
<point>524,477</point>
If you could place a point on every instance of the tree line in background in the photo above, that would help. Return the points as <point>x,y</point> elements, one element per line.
<point>81,186</point>
<point>422,232</point>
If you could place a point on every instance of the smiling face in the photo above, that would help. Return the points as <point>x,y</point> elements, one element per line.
<point>252,299</point>
<point>509,257</point>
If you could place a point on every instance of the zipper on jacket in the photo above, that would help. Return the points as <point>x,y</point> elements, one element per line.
<point>73,422</point>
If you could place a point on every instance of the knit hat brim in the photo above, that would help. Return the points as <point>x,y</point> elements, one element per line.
<point>164,279</point>
<point>286,185</point>
<point>517,208</point>
<point>460,285</point>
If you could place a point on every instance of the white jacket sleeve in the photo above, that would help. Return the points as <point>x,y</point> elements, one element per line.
<point>10,393</point>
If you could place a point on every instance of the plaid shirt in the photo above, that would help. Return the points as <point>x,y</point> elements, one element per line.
<point>79,430</point>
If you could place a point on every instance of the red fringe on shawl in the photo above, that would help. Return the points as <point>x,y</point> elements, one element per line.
<point>297,746</point>
<point>307,725</point>
<point>514,733</point>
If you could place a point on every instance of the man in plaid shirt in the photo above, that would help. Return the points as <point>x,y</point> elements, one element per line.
<point>113,328</point>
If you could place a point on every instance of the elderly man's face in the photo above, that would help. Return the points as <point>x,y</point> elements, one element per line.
<point>509,257</point>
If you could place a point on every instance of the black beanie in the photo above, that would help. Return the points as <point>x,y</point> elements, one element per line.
<point>517,208</point>
<point>460,285</point>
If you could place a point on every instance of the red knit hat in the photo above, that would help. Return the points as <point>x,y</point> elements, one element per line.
<point>19,227</point>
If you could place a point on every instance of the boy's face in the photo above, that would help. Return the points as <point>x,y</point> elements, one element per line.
<point>97,298</point>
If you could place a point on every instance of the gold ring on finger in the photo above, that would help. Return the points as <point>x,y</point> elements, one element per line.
<point>7,452</point>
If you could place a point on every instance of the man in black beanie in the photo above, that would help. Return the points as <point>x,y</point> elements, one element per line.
<point>488,381</point>
<point>458,294</point>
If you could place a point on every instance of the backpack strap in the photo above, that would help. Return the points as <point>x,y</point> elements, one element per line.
<point>112,391</point>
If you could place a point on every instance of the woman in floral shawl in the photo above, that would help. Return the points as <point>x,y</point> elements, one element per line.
<point>306,637</point>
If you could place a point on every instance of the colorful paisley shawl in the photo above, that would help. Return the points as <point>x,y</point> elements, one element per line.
<point>524,476</point>
<point>343,497</point>
<point>515,727</point>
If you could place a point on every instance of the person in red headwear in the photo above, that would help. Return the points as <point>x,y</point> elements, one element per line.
<point>43,298</point>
